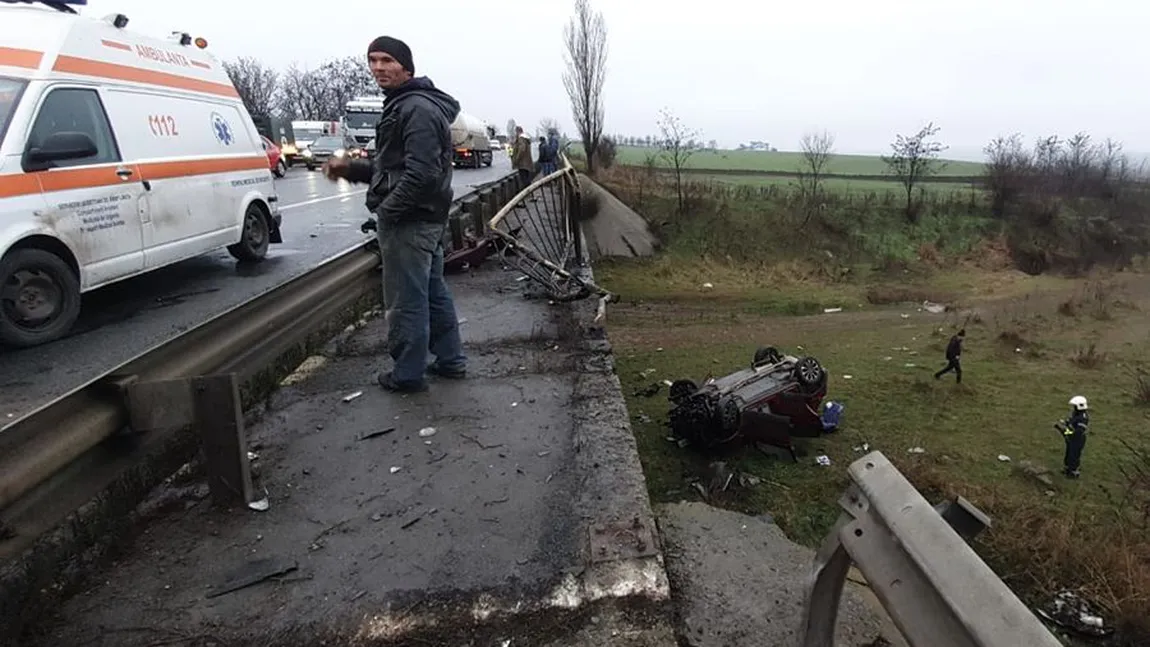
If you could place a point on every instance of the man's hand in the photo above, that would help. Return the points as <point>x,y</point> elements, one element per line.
<point>369,226</point>
<point>336,168</point>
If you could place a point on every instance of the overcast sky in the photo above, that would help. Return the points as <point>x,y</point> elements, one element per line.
<point>738,71</point>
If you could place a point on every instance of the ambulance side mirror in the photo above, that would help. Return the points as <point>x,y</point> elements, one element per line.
<point>59,147</point>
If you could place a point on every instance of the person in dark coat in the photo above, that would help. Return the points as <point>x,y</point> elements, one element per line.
<point>409,193</point>
<point>953,357</point>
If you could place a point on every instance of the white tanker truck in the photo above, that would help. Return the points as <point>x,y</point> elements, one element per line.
<point>471,138</point>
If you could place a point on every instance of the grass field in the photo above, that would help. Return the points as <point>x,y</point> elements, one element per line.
<point>784,162</point>
<point>832,184</point>
<point>1028,350</point>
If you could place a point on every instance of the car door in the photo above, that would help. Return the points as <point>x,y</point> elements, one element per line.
<point>94,204</point>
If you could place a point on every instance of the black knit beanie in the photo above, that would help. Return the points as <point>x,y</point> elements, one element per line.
<point>396,48</point>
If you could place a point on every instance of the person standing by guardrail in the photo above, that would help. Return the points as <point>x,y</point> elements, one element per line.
<point>409,193</point>
<point>548,154</point>
<point>521,156</point>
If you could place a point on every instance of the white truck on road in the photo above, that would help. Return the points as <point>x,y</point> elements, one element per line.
<point>471,138</point>
<point>359,118</point>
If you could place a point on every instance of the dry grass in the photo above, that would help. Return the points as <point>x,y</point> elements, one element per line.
<point>1084,535</point>
<point>1089,357</point>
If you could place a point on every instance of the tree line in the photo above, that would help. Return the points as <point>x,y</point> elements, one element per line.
<point>298,93</point>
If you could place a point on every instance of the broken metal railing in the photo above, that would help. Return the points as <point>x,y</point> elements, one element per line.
<point>916,559</point>
<point>538,232</point>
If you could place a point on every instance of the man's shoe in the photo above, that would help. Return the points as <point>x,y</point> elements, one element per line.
<point>449,373</point>
<point>388,381</point>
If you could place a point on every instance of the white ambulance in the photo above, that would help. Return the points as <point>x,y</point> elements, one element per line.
<point>119,154</point>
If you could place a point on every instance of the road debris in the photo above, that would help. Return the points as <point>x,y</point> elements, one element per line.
<point>1004,458</point>
<point>916,450</point>
<point>823,460</point>
<point>1069,610</point>
<point>708,286</point>
<point>648,391</point>
<point>427,432</point>
<point>253,572</point>
<point>376,434</point>
<point>828,311</point>
<point>933,308</point>
<point>395,469</point>
<point>351,396</point>
<point>480,443</point>
<point>865,447</point>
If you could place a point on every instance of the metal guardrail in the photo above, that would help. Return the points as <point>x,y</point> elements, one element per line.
<point>245,340</point>
<point>538,230</point>
<point>916,559</point>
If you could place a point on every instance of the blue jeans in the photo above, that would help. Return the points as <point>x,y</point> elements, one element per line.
<point>418,306</point>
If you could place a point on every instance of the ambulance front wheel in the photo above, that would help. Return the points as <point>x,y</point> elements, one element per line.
<point>39,297</point>
<point>254,239</point>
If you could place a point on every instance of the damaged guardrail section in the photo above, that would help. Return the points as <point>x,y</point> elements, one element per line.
<point>538,232</point>
<point>916,559</point>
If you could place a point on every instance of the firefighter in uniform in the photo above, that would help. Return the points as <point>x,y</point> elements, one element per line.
<point>1074,433</point>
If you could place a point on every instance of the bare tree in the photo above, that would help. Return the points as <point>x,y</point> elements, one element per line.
<point>303,94</point>
<point>322,93</point>
<point>547,125</point>
<point>913,160</point>
<point>255,84</point>
<point>675,149</point>
<point>817,150</point>
<point>585,37</point>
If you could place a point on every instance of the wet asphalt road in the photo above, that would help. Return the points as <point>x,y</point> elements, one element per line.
<point>320,219</point>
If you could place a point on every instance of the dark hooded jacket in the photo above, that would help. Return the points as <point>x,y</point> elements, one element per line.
<point>409,179</point>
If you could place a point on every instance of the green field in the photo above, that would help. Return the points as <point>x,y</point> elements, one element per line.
<point>832,184</point>
<point>782,162</point>
<point>1032,343</point>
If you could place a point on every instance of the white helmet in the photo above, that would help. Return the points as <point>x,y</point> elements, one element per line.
<point>1079,402</point>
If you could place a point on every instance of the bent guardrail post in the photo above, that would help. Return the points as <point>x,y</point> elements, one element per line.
<point>211,406</point>
<point>937,590</point>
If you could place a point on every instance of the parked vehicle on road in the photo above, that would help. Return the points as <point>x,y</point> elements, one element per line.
<point>119,154</point>
<point>275,157</point>
<point>325,148</point>
<point>360,116</point>
<point>307,132</point>
<point>472,141</point>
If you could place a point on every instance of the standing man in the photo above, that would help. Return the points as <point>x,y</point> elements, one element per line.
<point>521,157</point>
<point>1074,433</point>
<point>409,192</point>
<point>548,156</point>
<point>953,357</point>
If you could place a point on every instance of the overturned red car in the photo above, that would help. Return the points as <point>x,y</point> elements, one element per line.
<point>777,398</point>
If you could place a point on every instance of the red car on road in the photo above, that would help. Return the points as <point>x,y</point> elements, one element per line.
<point>275,159</point>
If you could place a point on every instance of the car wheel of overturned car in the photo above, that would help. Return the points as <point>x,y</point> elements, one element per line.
<point>808,372</point>
<point>39,297</point>
<point>680,389</point>
<point>767,355</point>
<point>254,239</point>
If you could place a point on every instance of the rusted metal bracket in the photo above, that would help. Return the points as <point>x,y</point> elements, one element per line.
<point>916,559</point>
<point>621,540</point>
<point>211,406</point>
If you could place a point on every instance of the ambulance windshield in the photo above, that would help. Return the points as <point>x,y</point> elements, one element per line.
<point>10,90</point>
